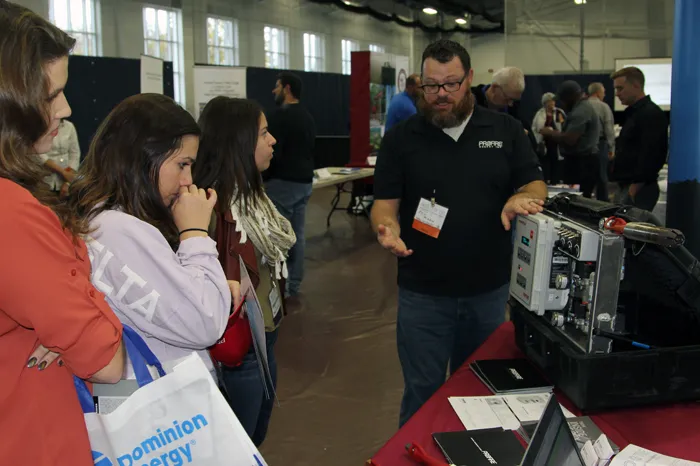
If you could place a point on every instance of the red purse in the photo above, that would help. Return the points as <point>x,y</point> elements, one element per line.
<point>236,340</point>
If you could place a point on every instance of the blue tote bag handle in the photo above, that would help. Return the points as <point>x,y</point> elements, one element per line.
<point>140,356</point>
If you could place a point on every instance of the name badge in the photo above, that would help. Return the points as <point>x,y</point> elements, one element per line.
<point>429,218</point>
<point>275,302</point>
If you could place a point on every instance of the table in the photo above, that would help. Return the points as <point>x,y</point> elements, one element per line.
<point>671,430</point>
<point>339,180</point>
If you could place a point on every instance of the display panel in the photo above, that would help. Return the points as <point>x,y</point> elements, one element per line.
<point>657,77</point>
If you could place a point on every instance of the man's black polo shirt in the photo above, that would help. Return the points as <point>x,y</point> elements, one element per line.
<point>473,178</point>
<point>642,147</point>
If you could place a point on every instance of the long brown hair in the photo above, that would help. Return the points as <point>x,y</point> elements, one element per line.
<point>121,169</point>
<point>27,44</point>
<point>226,157</point>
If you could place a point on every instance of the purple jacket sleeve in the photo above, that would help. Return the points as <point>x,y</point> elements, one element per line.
<point>181,298</point>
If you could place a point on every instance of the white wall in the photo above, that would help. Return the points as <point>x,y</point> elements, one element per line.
<point>543,36</point>
<point>541,55</point>
<point>122,30</point>
<point>38,6</point>
<point>488,54</point>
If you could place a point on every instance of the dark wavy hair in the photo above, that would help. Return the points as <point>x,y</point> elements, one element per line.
<point>444,50</point>
<point>121,169</point>
<point>27,44</point>
<point>292,80</point>
<point>226,157</point>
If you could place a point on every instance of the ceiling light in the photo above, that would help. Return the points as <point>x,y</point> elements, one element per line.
<point>580,2</point>
<point>460,21</point>
<point>429,11</point>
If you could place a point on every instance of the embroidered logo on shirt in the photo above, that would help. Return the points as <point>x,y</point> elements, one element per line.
<point>490,144</point>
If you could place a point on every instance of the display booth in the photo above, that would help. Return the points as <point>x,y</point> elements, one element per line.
<point>325,95</point>
<point>376,78</point>
<point>98,84</point>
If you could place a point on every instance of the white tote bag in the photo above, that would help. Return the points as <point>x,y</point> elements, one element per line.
<point>178,419</point>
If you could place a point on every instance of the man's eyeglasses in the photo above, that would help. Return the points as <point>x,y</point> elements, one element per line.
<point>510,100</point>
<point>449,87</point>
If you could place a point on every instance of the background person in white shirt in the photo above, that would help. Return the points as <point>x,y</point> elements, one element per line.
<point>63,159</point>
<point>549,116</point>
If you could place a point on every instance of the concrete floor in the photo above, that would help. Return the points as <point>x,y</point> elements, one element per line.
<point>339,382</point>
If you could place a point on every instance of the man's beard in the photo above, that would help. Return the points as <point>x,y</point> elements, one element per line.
<point>279,99</point>
<point>455,117</point>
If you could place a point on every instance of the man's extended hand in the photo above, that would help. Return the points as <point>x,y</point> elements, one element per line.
<point>392,242</point>
<point>519,205</point>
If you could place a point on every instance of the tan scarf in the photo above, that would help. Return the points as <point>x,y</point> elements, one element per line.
<point>271,233</point>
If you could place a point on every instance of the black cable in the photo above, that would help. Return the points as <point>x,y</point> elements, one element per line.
<point>615,336</point>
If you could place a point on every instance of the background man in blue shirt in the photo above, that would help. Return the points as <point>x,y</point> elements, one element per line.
<point>403,105</point>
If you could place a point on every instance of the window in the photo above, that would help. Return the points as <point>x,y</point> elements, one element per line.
<point>347,47</point>
<point>276,47</point>
<point>222,41</point>
<point>79,18</point>
<point>314,52</point>
<point>162,32</point>
<point>376,48</point>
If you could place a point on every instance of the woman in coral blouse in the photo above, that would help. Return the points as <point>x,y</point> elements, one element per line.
<point>48,308</point>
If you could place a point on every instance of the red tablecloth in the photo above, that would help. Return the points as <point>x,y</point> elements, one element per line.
<point>670,430</point>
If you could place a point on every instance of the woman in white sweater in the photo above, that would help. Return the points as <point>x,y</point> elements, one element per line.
<point>150,252</point>
<point>548,116</point>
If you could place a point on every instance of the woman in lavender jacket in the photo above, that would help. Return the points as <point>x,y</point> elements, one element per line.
<point>150,252</point>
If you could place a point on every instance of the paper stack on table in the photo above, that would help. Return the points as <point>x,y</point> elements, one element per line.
<point>484,412</point>
<point>638,456</point>
<point>598,453</point>
<point>504,411</point>
<point>522,413</point>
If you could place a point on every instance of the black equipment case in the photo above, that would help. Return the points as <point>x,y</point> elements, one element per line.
<point>659,302</point>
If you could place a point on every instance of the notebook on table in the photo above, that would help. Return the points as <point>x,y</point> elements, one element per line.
<point>510,376</point>
<point>486,447</point>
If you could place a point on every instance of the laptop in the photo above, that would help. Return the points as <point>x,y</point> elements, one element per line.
<point>552,444</point>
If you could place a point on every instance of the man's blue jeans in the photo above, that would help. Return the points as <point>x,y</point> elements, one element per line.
<point>433,330</point>
<point>291,199</point>
<point>246,392</point>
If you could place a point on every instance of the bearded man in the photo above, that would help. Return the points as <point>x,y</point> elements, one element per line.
<point>449,182</point>
<point>289,179</point>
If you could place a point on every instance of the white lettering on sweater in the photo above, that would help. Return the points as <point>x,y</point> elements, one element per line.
<point>100,257</point>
